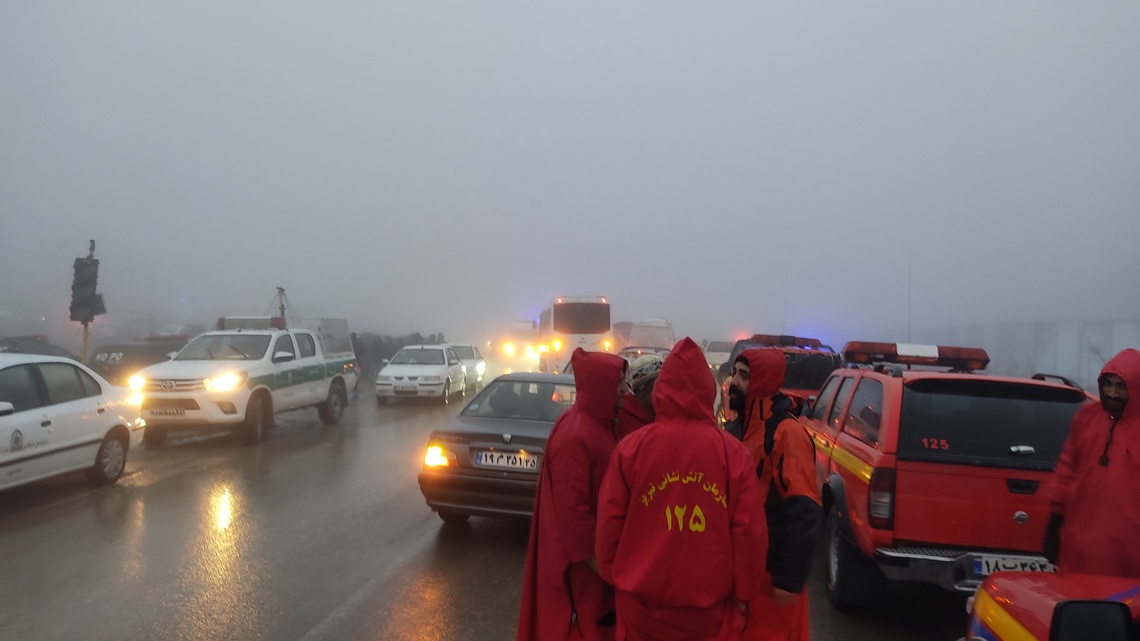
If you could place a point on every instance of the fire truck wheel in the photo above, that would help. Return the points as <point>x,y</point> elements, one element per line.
<point>852,579</point>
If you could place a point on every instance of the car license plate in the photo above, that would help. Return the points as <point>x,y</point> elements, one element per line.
<point>507,460</point>
<point>405,388</point>
<point>984,565</point>
<point>168,412</point>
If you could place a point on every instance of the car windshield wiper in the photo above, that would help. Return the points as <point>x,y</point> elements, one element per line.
<point>240,353</point>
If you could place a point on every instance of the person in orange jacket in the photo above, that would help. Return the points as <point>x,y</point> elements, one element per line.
<point>785,464</point>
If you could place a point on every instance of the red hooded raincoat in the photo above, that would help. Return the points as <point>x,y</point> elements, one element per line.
<point>1101,503</point>
<point>680,528</point>
<point>563,598</point>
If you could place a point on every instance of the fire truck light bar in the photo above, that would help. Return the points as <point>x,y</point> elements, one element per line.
<point>786,341</point>
<point>959,358</point>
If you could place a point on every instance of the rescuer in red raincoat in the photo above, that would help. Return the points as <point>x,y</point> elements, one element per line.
<point>1095,486</point>
<point>680,529</point>
<point>563,596</point>
<point>637,407</point>
<point>785,464</point>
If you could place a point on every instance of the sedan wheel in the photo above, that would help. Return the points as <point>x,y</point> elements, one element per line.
<point>110,461</point>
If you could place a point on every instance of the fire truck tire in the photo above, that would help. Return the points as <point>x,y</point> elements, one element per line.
<point>852,579</point>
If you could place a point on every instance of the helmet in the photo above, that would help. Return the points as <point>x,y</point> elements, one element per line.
<point>643,371</point>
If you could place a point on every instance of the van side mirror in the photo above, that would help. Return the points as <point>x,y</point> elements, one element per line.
<point>7,409</point>
<point>1101,620</point>
<point>281,357</point>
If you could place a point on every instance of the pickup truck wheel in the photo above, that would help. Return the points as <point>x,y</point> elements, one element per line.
<point>331,411</point>
<point>110,461</point>
<point>852,579</point>
<point>255,418</point>
<point>463,388</point>
<point>154,436</point>
<point>453,518</point>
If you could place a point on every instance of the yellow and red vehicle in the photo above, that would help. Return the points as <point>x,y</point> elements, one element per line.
<point>931,471</point>
<point>1019,606</point>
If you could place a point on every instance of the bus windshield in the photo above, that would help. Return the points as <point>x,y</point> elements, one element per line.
<point>582,318</point>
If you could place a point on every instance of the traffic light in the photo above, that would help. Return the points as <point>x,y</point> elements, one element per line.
<point>85,303</point>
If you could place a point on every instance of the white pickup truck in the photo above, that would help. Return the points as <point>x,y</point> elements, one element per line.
<point>251,368</point>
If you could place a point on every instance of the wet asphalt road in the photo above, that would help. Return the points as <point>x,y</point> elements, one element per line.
<point>319,533</point>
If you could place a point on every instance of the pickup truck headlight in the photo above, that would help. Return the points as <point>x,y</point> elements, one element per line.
<point>136,382</point>
<point>480,367</point>
<point>224,383</point>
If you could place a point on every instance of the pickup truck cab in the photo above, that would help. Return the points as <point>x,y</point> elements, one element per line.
<point>932,471</point>
<point>1020,606</point>
<point>239,376</point>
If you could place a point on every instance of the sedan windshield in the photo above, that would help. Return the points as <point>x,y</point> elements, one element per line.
<point>225,347</point>
<point>418,356</point>
<point>524,400</point>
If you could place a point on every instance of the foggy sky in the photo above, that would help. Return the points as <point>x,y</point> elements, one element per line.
<point>778,167</point>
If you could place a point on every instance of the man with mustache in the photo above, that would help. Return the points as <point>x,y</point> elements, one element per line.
<point>785,464</point>
<point>1095,487</point>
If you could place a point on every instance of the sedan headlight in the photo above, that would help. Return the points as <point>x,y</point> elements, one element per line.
<point>431,379</point>
<point>383,379</point>
<point>136,382</point>
<point>225,383</point>
<point>480,367</point>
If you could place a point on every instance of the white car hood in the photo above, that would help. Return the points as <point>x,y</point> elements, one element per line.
<point>183,370</point>
<point>414,370</point>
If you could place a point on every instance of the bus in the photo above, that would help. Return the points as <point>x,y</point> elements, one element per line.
<point>570,322</point>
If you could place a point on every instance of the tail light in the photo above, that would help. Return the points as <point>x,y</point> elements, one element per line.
<point>881,498</point>
<point>436,456</point>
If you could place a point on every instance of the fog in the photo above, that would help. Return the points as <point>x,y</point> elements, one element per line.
<point>847,170</point>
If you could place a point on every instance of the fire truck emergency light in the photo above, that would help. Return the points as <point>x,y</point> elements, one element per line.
<point>959,358</point>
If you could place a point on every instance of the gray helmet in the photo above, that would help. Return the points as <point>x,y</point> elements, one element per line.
<point>643,372</point>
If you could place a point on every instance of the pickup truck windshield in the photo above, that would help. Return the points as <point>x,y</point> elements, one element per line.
<point>225,347</point>
<point>987,423</point>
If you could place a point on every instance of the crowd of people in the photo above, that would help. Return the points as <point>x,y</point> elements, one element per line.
<point>652,523</point>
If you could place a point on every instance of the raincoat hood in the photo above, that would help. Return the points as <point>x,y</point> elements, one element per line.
<point>1126,365</point>
<point>596,377</point>
<point>685,389</point>
<point>767,368</point>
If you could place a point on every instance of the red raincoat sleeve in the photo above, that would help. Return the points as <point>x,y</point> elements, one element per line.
<point>1065,470</point>
<point>570,476</point>
<point>747,525</point>
<point>613,504</point>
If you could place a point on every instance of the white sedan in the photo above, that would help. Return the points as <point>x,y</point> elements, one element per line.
<point>433,371</point>
<point>57,416</point>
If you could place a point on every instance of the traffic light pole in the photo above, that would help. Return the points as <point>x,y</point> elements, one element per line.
<point>83,356</point>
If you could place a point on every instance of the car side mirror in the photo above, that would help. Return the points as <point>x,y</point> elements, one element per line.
<point>171,356</point>
<point>809,406</point>
<point>725,370</point>
<point>7,409</point>
<point>1101,620</point>
<point>385,361</point>
<point>281,357</point>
